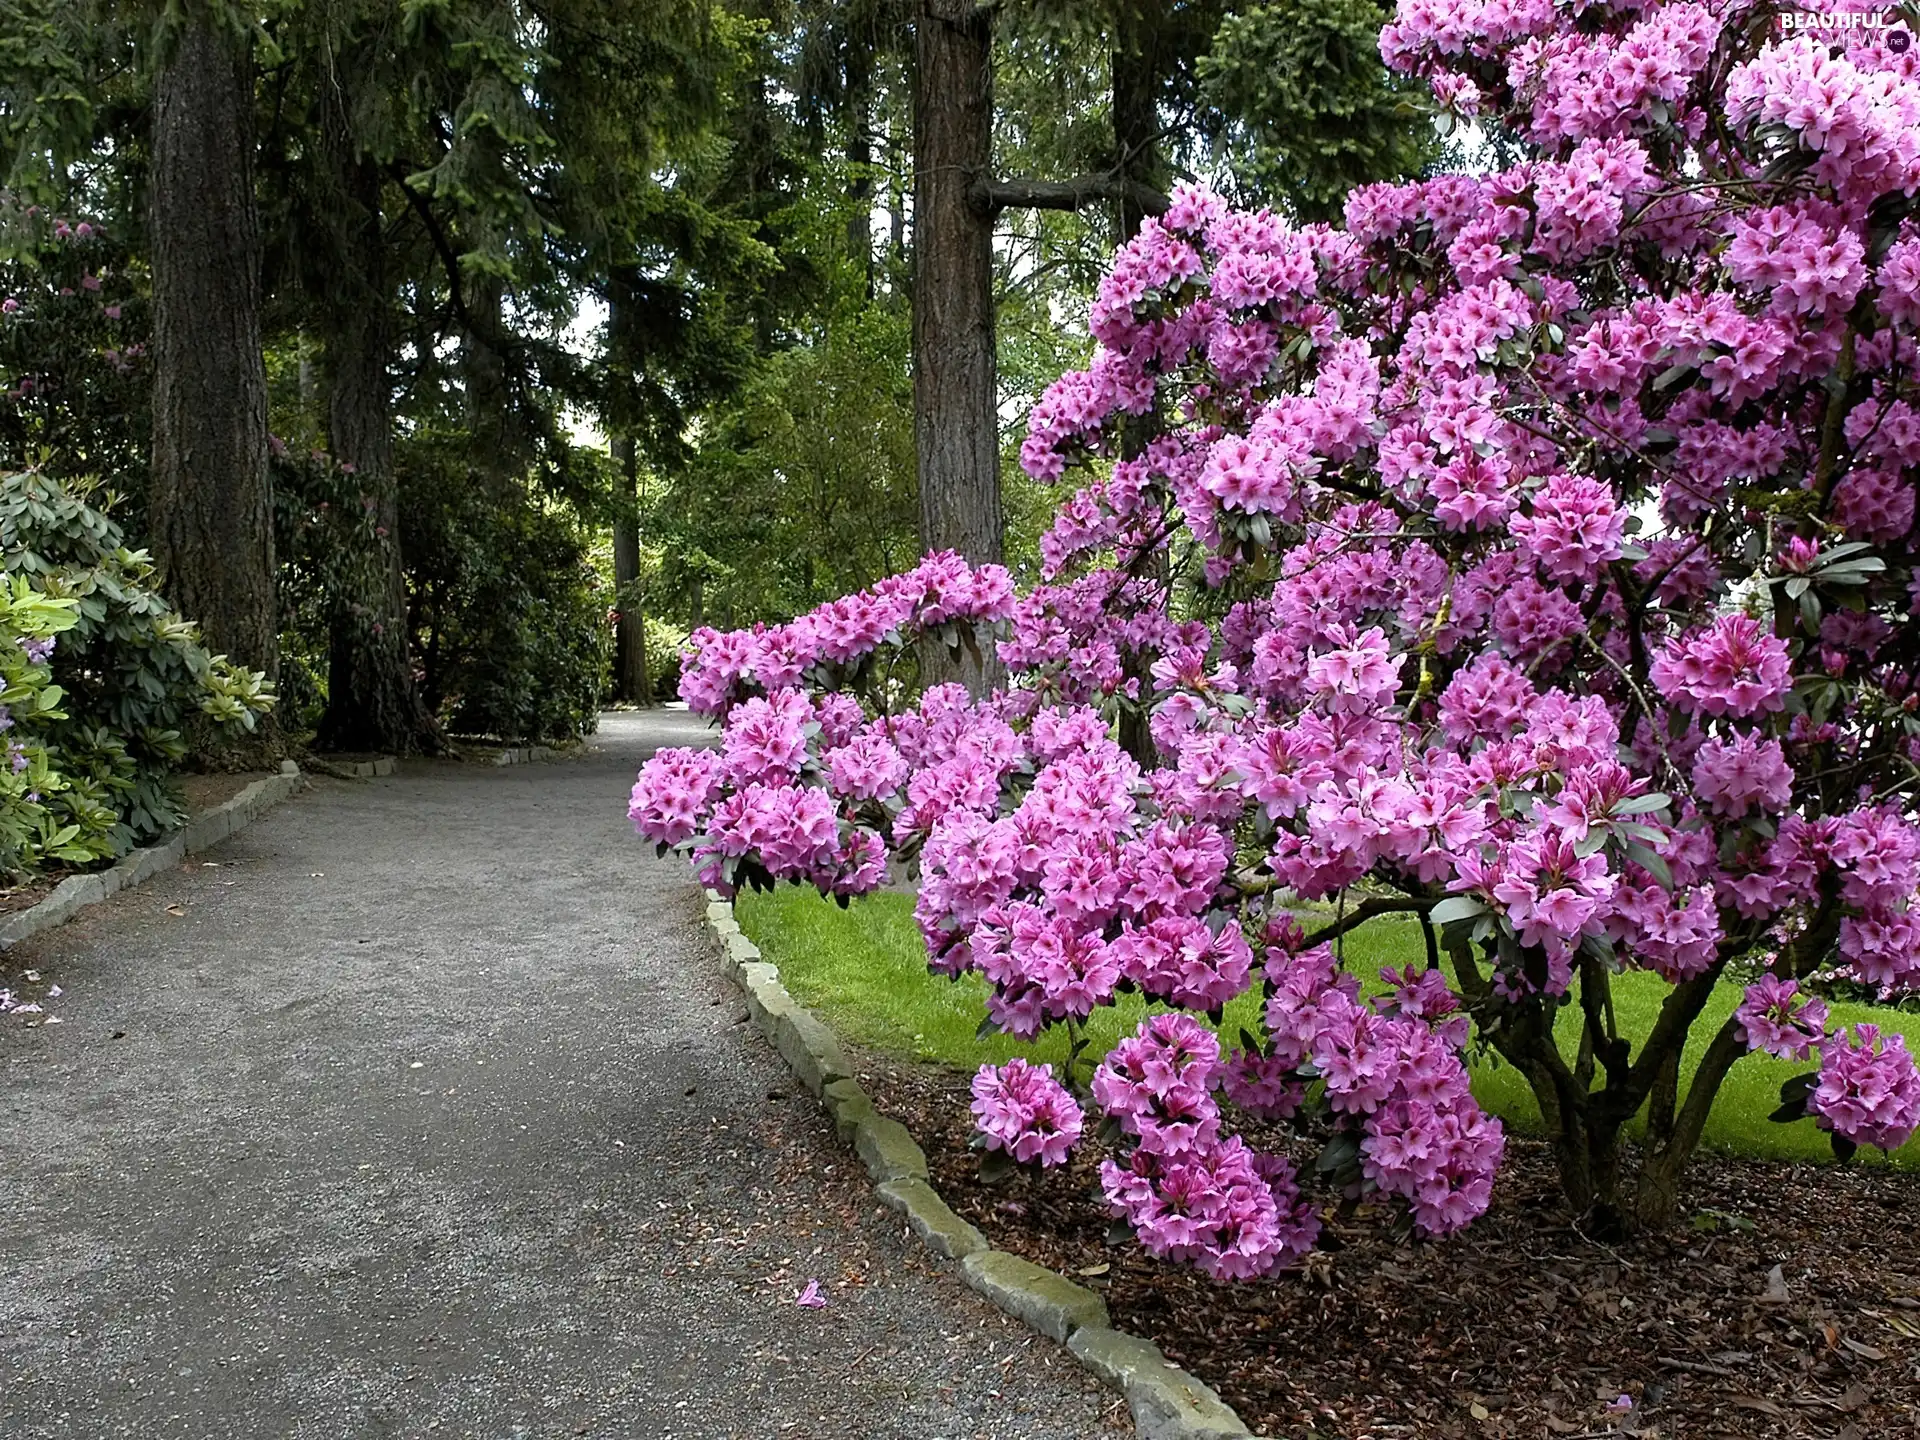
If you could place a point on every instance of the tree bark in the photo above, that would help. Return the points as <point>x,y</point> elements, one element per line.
<point>632,680</point>
<point>955,409</point>
<point>1136,192</point>
<point>210,507</point>
<point>372,703</point>
<point>1138,169</point>
<point>494,437</point>
<point>860,161</point>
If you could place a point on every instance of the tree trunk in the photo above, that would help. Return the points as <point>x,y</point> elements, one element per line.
<point>210,507</point>
<point>860,161</point>
<point>1134,70</point>
<point>632,681</point>
<point>494,436</point>
<point>372,703</point>
<point>1134,60</point>
<point>956,420</point>
<point>1586,1124</point>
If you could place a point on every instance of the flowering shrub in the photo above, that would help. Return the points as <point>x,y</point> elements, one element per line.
<point>32,830</point>
<point>133,674</point>
<point>1533,554</point>
<point>74,378</point>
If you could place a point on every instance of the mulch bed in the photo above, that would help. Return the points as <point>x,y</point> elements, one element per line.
<point>204,792</point>
<point>1523,1326</point>
<point>23,897</point>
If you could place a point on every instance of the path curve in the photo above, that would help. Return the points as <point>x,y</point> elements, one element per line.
<point>431,1113</point>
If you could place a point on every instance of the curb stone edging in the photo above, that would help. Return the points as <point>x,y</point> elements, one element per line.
<point>1167,1402</point>
<point>380,765</point>
<point>205,830</point>
<point>524,754</point>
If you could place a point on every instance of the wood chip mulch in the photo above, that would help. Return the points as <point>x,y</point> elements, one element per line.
<point>1523,1326</point>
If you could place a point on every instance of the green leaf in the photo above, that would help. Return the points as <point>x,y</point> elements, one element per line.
<point>1342,1150</point>
<point>996,1167</point>
<point>1648,861</point>
<point>1456,908</point>
<point>1643,804</point>
<point>1672,376</point>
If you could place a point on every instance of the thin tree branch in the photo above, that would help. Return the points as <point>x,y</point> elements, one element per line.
<point>993,196</point>
<point>1365,911</point>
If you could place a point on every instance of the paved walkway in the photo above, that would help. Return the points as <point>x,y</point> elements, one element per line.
<point>430,1113</point>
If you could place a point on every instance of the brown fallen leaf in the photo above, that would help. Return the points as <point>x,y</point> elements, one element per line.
<point>1864,1350</point>
<point>176,909</point>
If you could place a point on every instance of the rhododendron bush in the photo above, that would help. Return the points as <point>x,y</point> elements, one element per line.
<point>1532,554</point>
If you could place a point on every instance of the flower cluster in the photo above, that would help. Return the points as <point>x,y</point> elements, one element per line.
<point>1188,1193</point>
<point>1733,667</point>
<point>1397,1072</point>
<point>1021,1109</point>
<point>1869,1090</point>
<point>1777,1018</point>
<point>722,667</point>
<point>673,795</point>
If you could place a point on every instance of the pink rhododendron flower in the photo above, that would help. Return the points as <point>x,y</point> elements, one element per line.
<point>1021,1109</point>
<point>1869,1090</point>
<point>1776,1018</point>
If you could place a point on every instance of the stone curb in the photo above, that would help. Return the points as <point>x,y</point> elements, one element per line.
<point>1167,1403</point>
<point>136,868</point>
<point>525,754</point>
<point>353,769</point>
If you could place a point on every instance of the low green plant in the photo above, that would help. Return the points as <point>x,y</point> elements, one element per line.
<point>133,673</point>
<point>40,818</point>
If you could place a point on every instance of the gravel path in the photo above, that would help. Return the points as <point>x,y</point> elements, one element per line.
<point>422,1108</point>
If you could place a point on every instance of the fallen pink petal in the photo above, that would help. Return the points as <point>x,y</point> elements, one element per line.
<point>811,1298</point>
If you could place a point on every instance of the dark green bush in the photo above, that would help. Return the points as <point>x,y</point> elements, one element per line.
<point>511,622</point>
<point>133,674</point>
<point>528,639</point>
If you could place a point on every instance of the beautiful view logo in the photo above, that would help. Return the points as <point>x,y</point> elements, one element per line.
<point>1832,24</point>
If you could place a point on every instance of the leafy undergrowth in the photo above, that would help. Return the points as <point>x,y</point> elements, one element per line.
<point>864,968</point>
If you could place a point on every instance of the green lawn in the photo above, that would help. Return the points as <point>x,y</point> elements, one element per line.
<point>864,969</point>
